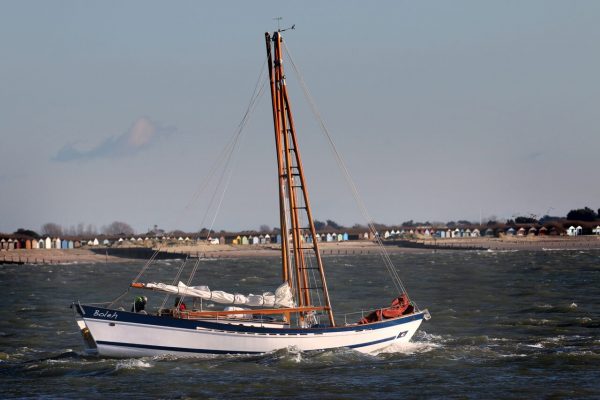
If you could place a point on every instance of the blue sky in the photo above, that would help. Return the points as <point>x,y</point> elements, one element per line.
<point>442,110</point>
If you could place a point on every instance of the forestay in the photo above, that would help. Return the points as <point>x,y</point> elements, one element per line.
<point>281,298</point>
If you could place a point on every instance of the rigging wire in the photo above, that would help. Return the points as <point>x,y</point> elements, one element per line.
<point>354,189</point>
<point>223,157</point>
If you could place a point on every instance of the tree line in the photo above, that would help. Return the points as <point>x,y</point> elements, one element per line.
<point>120,228</point>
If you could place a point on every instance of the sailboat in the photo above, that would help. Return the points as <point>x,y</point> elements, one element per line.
<point>298,314</point>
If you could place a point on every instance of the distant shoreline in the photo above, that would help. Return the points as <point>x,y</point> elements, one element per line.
<point>100,254</point>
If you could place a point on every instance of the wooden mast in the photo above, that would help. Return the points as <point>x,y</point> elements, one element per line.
<point>285,254</point>
<point>293,195</point>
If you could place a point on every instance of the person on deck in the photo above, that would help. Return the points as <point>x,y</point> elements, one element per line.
<point>139,303</point>
<point>179,304</point>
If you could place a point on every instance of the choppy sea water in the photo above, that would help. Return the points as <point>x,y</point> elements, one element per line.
<point>504,325</point>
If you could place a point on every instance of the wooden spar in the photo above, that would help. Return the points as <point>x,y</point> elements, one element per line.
<point>301,284</point>
<point>283,223</point>
<point>313,230</point>
<point>290,167</point>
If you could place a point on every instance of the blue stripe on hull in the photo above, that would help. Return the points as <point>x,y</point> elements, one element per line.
<point>206,351</point>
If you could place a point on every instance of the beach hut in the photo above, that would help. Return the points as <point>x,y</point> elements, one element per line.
<point>543,231</point>
<point>578,231</point>
<point>456,233</point>
<point>4,244</point>
<point>521,231</point>
<point>48,243</point>
<point>571,231</point>
<point>278,239</point>
<point>475,233</point>
<point>77,244</point>
<point>11,245</point>
<point>345,237</point>
<point>340,237</point>
<point>261,239</point>
<point>95,242</point>
<point>489,232</point>
<point>386,234</point>
<point>71,244</point>
<point>532,231</point>
<point>244,240</point>
<point>510,231</point>
<point>41,244</point>
<point>268,239</point>
<point>64,244</point>
<point>328,237</point>
<point>56,243</point>
<point>35,244</point>
<point>255,240</point>
<point>222,240</point>
<point>28,244</point>
<point>106,242</point>
<point>596,230</point>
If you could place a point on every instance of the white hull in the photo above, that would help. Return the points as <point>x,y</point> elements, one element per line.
<point>123,334</point>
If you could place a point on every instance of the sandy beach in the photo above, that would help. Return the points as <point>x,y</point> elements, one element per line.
<point>134,254</point>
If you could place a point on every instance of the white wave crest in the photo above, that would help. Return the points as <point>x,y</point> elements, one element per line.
<point>132,364</point>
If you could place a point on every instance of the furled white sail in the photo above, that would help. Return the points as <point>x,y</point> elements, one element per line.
<point>281,298</point>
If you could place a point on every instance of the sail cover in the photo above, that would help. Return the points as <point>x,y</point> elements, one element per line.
<point>281,298</point>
